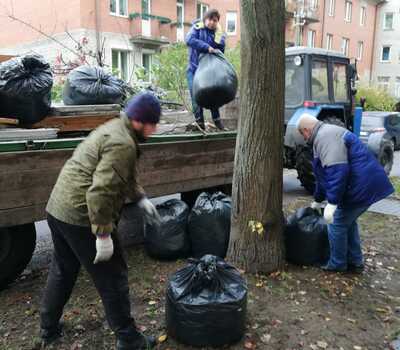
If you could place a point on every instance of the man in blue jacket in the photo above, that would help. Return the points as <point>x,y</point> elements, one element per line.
<point>206,36</point>
<point>350,178</point>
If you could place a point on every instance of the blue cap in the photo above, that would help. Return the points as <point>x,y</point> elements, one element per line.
<point>144,108</point>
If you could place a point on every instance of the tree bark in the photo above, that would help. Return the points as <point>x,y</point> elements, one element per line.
<point>256,242</point>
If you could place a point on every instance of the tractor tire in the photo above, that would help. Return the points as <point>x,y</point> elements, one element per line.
<point>386,155</point>
<point>334,121</point>
<point>304,168</point>
<point>17,244</point>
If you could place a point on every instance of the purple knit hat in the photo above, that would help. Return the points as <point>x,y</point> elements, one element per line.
<point>144,108</point>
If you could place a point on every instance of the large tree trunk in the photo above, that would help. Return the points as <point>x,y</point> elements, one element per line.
<point>256,243</point>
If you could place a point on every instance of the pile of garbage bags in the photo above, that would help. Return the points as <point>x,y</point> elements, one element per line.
<point>25,89</point>
<point>306,238</point>
<point>206,303</point>
<point>215,82</point>
<point>87,85</point>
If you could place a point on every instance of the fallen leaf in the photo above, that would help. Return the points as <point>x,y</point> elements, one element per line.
<point>351,320</point>
<point>322,344</point>
<point>302,292</point>
<point>152,302</point>
<point>162,338</point>
<point>313,347</point>
<point>266,338</point>
<point>356,347</point>
<point>250,345</point>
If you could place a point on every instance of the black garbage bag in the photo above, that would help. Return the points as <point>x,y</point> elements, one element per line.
<point>215,81</point>
<point>306,238</point>
<point>86,85</point>
<point>170,239</point>
<point>206,303</point>
<point>131,225</point>
<point>25,88</point>
<point>210,224</point>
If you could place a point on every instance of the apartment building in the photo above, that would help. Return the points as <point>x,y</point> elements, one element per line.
<point>386,73</point>
<point>341,25</point>
<point>128,32</point>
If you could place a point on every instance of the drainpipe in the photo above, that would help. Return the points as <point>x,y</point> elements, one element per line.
<point>99,52</point>
<point>323,25</point>
<point>373,54</point>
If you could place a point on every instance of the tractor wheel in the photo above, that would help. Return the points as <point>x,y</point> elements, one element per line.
<point>304,168</point>
<point>334,121</point>
<point>17,244</point>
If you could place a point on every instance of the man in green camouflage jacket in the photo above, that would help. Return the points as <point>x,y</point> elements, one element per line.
<point>82,211</point>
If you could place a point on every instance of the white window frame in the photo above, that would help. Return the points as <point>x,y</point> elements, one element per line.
<point>397,87</point>
<point>151,54</point>
<point>204,8</point>
<point>128,63</point>
<point>345,46</point>
<point>363,15</point>
<point>182,29</point>
<point>331,8</point>
<point>313,4</point>
<point>329,41</point>
<point>384,85</point>
<point>348,12</point>
<point>384,20</point>
<point>117,12</point>
<point>360,50</point>
<point>235,18</point>
<point>311,38</point>
<point>390,54</point>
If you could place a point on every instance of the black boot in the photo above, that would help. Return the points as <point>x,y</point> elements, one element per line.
<point>142,343</point>
<point>49,336</point>
<point>218,123</point>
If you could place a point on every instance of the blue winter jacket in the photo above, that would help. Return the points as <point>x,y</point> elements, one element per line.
<point>199,39</point>
<point>347,173</point>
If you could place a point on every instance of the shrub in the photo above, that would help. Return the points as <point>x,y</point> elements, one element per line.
<point>376,99</point>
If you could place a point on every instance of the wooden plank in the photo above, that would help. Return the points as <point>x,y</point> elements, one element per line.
<point>4,58</point>
<point>36,212</point>
<point>74,123</point>
<point>9,121</point>
<point>82,109</point>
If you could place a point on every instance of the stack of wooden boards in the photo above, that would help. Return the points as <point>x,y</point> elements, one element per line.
<point>61,120</point>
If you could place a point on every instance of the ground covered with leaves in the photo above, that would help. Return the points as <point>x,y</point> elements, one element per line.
<point>297,308</point>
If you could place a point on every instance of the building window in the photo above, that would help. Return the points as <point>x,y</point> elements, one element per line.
<point>360,50</point>
<point>147,61</point>
<point>120,64</point>
<point>385,56</point>
<point>383,83</point>
<point>231,23</point>
<point>348,11</point>
<point>345,46</point>
<point>201,9</point>
<point>329,41</point>
<point>363,15</point>
<point>180,16</point>
<point>397,87</point>
<point>311,38</point>
<point>331,9</point>
<point>119,7</point>
<point>313,4</point>
<point>388,21</point>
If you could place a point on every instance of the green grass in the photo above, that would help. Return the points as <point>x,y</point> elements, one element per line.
<point>396,184</point>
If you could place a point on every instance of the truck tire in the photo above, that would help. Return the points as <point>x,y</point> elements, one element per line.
<point>304,168</point>
<point>17,244</point>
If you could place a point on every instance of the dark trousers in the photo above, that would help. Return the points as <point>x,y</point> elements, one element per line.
<point>197,110</point>
<point>75,246</point>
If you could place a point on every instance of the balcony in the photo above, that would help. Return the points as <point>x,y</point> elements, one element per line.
<point>305,10</point>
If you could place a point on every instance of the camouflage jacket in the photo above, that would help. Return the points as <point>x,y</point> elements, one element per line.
<point>96,181</point>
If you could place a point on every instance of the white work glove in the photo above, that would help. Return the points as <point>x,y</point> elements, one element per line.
<point>317,206</point>
<point>150,210</point>
<point>104,249</point>
<point>329,212</point>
